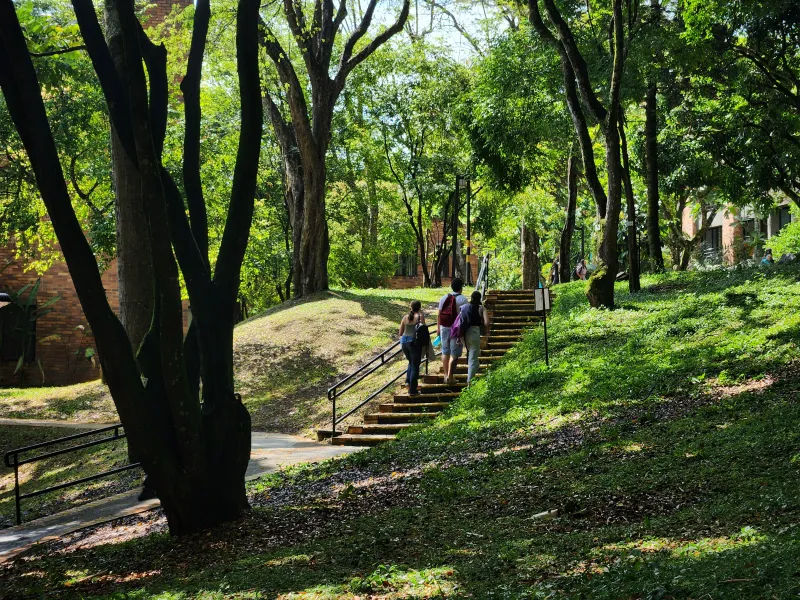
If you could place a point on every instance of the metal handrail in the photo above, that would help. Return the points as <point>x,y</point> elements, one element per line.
<point>383,359</point>
<point>482,282</point>
<point>361,373</point>
<point>16,462</point>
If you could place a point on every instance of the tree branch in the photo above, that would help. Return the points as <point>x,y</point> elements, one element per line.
<point>190,86</point>
<point>349,62</point>
<point>243,189</point>
<point>59,51</point>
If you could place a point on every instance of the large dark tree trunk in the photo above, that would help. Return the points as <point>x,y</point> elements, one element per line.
<point>314,244</point>
<point>634,284</point>
<point>134,269</point>
<point>293,185</point>
<point>651,168</point>
<point>565,245</point>
<point>196,453</point>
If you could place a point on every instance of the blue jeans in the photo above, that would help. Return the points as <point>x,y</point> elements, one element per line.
<point>473,339</point>
<point>414,357</point>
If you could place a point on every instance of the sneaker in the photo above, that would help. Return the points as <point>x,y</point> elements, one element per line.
<point>414,393</point>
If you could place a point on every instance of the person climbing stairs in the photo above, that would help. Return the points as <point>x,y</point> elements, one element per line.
<point>510,314</point>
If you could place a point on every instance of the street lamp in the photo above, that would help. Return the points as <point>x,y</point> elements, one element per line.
<point>5,299</point>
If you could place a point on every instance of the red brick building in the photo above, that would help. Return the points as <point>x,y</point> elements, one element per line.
<point>409,273</point>
<point>732,226</point>
<point>58,347</point>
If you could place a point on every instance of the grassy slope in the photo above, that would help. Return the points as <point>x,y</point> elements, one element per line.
<point>59,469</point>
<point>667,432</point>
<point>285,360</point>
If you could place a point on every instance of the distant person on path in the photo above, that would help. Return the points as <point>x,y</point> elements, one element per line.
<point>581,270</point>
<point>473,319</point>
<point>410,348</point>
<point>554,273</point>
<point>449,307</point>
<point>768,259</point>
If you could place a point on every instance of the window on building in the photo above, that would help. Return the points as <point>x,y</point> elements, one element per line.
<point>713,239</point>
<point>406,265</point>
<point>784,217</point>
<point>17,333</point>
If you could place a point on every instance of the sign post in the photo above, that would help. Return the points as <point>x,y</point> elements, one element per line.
<point>541,297</point>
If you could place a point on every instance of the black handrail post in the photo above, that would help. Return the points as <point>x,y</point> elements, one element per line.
<point>333,420</point>
<point>16,488</point>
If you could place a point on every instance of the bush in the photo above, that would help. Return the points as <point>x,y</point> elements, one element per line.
<point>787,240</point>
<point>349,266</point>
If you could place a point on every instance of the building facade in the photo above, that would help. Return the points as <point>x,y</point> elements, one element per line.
<point>732,228</point>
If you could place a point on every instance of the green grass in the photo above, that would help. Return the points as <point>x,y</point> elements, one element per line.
<point>285,359</point>
<point>59,469</point>
<point>87,402</point>
<point>666,433</point>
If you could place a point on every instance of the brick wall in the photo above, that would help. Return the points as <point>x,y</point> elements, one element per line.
<point>161,9</point>
<point>731,232</point>
<point>402,282</point>
<point>688,223</point>
<point>62,335</point>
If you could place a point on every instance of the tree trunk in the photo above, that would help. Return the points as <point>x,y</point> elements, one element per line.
<point>372,195</point>
<point>565,245</point>
<point>295,202</point>
<point>651,167</point>
<point>134,269</point>
<point>530,257</point>
<point>601,284</point>
<point>633,247</point>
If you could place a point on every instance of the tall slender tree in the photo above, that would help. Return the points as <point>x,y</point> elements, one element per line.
<point>195,448</point>
<point>315,35</point>
<point>585,104</point>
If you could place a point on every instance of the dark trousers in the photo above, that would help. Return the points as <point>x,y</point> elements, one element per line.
<point>414,356</point>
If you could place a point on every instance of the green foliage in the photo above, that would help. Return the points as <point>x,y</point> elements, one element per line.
<point>786,241</point>
<point>349,267</point>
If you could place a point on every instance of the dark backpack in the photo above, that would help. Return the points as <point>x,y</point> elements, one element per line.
<point>449,312</point>
<point>422,337</point>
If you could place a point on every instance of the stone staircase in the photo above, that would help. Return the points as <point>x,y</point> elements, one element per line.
<point>510,313</point>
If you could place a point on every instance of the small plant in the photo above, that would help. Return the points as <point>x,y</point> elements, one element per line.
<point>31,312</point>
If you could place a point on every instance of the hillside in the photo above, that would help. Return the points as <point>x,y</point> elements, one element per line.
<point>285,359</point>
<point>657,457</point>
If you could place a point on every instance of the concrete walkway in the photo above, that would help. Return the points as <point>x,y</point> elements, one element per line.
<point>270,451</point>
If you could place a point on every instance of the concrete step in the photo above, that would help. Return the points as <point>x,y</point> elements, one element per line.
<point>502,337</point>
<point>379,418</point>
<point>414,407</point>
<point>383,429</point>
<point>422,398</point>
<point>440,387</point>
<point>433,379</point>
<point>497,345</point>
<point>349,439</point>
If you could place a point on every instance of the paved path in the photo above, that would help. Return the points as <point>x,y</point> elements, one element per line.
<point>269,452</point>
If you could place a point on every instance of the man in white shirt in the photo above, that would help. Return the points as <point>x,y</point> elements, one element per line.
<point>449,308</point>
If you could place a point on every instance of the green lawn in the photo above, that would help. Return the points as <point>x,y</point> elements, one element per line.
<point>59,469</point>
<point>285,359</point>
<point>664,441</point>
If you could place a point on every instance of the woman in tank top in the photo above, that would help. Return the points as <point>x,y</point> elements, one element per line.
<point>409,346</point>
